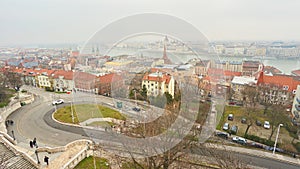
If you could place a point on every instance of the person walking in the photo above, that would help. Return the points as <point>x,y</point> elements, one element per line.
<point>46,160</point>
<point>31,144</point>
<point>34,141</point>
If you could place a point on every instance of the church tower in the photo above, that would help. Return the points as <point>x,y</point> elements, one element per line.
<point>165,57</point>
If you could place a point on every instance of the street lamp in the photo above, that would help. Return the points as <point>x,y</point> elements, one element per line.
<point>280,125</point>
<point>13,135</point>
<point>72,113</point>
<point>37,156</point>
<point>135,97</point>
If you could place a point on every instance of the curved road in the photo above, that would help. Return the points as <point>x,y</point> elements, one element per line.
<point>35,120</point>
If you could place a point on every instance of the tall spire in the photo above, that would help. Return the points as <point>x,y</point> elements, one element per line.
<point>165,57</point>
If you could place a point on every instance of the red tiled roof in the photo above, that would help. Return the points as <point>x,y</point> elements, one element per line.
<point>280,80</point>
<point>68,75</point>
<point>109,78</point>
<point>296,72</point>
<point>82,76</point>
<point>231,73</point>
<point>164,77</point>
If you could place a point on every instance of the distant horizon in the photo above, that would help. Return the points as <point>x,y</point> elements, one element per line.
<point>75,44</point>
<point>32,22</point>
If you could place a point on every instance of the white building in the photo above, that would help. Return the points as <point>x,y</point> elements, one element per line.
<point>239,82</point>
<point>158,83</point>
<point>296,105</point>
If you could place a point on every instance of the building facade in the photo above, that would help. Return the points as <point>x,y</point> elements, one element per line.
<point>158,83</point>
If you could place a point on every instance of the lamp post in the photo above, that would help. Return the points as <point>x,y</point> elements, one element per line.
<point>72,113</point>
<point>13,135</point>
<point>280,125</point>
<point>135,97</point>
<point>37,156</point>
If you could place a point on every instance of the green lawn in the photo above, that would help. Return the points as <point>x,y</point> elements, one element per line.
<point>84,112</point>
<point>9,94</point>
<point>88,163</point>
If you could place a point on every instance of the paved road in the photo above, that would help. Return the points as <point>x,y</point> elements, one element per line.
<point>250,160</point>
<point>35,121</point>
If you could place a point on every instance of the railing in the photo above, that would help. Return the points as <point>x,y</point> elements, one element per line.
<point>77,158</point>
<point>11,147</point>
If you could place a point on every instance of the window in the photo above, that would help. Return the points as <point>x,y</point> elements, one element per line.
<point>294,91</point>
<point>285,87</point>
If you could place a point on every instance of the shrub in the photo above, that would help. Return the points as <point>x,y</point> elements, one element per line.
<point>260,140</point>
<point>297,146</point>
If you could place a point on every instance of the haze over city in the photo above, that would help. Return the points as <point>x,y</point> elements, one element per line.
<point>34,22</point>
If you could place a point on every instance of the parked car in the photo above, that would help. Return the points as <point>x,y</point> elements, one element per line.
<point>226,126</point>
<point>136,109</point>
<point>256,145</point>
<point>267,125</point>
<point>231,102</point>
<point>234,129</point>
<point>57,102</point>
<point>230,117</point>
<point>239,140</point>
<point>244,120</point>
<point>222,135</point>
<point>258,123</point>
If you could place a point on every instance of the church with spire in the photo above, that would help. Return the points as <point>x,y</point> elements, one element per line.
<point>165,57</point>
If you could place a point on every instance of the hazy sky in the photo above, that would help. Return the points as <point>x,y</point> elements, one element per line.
<point>72,21</point>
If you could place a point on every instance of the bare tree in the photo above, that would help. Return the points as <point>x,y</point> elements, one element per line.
<point>277,116</point>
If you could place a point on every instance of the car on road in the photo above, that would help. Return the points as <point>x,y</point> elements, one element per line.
<point>222,135</point>
<point>267,125</point>
<point>57,102</point>
<point>234,129</point>
<point>230,117</point>
<point>136,109</point>
<point>239,140</point>
<point>226,126</point>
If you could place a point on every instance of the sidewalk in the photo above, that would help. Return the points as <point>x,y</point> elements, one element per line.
<point>254,152</point>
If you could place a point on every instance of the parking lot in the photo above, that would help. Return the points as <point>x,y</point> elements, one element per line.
<point>239,114</point>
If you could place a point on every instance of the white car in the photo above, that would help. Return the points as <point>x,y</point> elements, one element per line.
<point>57,102</point>
<point>267,125</point>
<point>239,140</point>
<point>226,126</point>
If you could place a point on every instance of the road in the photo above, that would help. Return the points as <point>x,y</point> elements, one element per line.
<point>35,120</point>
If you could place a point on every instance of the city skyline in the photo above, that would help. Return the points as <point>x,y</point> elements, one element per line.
<point>55,22</point>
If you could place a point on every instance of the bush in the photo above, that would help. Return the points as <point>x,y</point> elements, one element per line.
<point>260,140</point>
<point>297,146</point>
<point>49,89</point>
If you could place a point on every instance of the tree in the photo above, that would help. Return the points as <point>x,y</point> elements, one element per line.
<point>249,94</point>
<point>13,79</point>
<point>250,99</point>
<point>144,92</point>
<point>169,97</point>
<point>249,118</point>
<point>277,117</point>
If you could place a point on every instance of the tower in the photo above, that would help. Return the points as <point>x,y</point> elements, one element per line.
<point>165,57</point>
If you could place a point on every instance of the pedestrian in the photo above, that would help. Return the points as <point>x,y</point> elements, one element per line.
<point>31,144</point>
<point>46,160</point>
<point>34,141</point>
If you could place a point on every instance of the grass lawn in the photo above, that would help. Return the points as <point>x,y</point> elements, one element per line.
<point>9,94</point>
<point>84,112</point>
<point>88,163</point>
